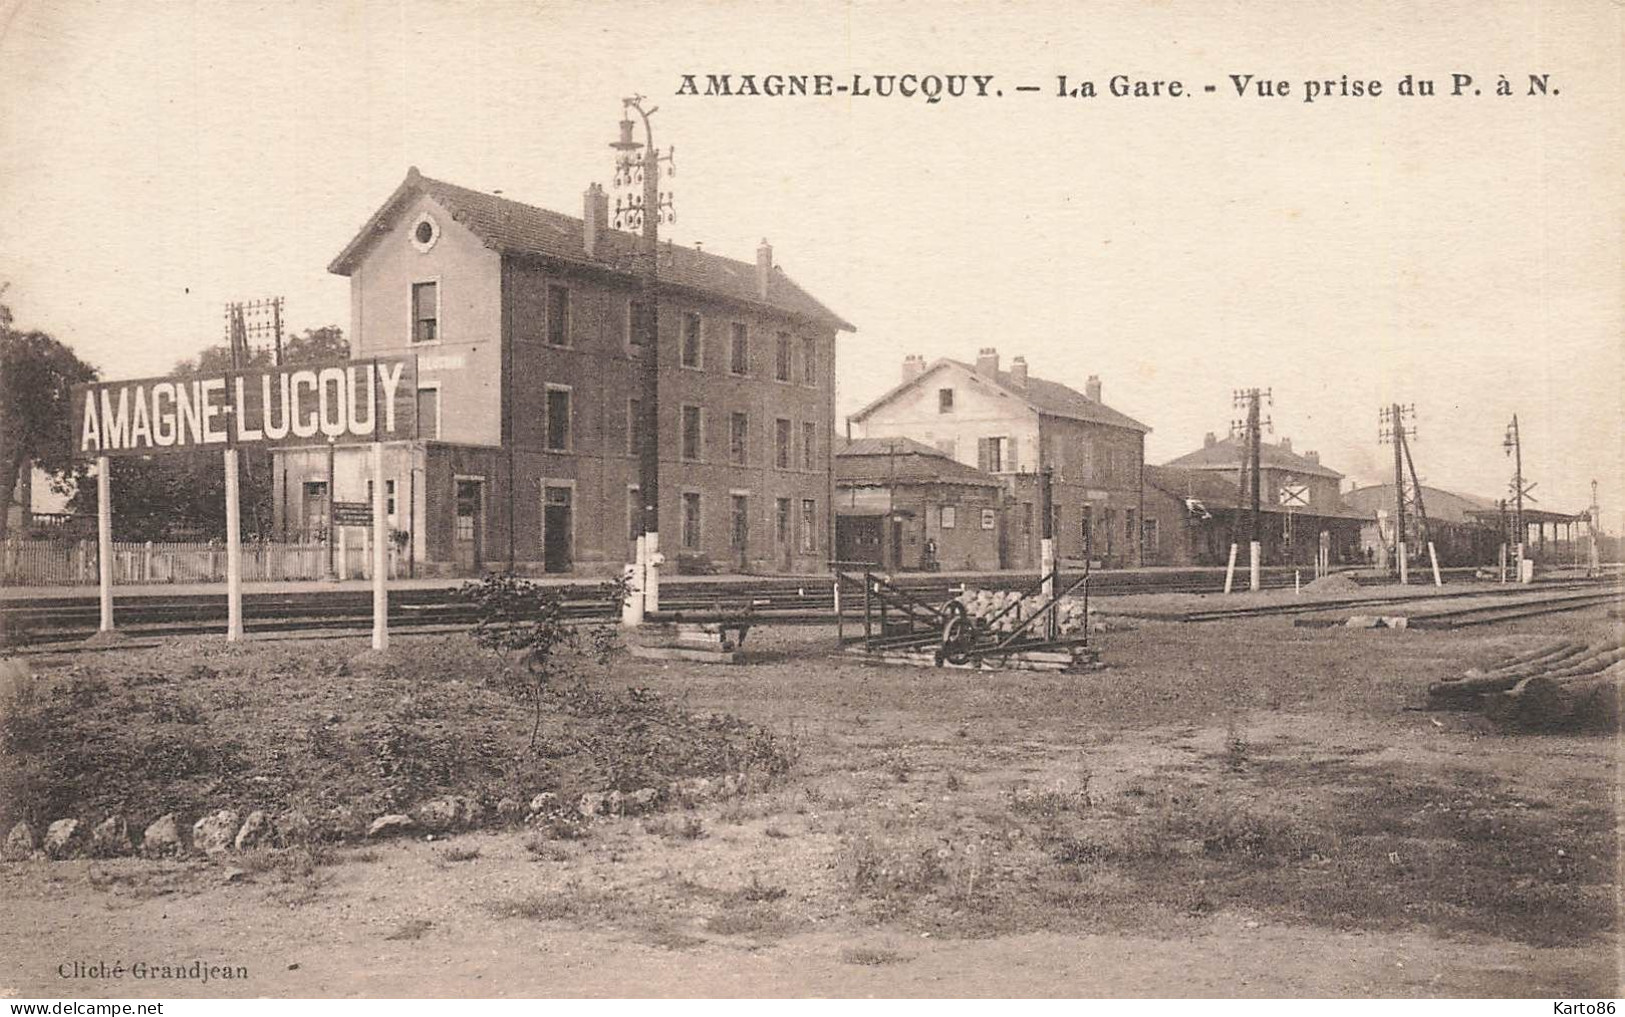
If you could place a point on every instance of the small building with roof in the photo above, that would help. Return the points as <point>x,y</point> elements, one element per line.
<point>1011,424</point>
<point>903,505</point>
<point>1200,503</point>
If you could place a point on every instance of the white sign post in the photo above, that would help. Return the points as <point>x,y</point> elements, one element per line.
<point>104,538</point>
<point>380,552</point>
<point>234,551</point>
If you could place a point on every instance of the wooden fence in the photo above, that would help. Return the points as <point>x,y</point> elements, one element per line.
<point>74,562</point>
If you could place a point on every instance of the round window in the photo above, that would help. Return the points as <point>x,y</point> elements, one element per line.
<point>425,233</point>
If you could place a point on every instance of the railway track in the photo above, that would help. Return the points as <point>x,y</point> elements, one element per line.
<point>782,600</point>
<point>1492,613</point>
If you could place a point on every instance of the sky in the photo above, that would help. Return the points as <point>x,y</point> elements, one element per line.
<point>1462,254</point>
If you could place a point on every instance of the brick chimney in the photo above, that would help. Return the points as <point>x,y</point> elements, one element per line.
<point>1313,457</point>
<point>987,362</point>
<point>1018,372</point>
<point>1286,444</point>
<point>1209,440</point>
<point>1091,388</point>
<point>594,217</point>
<point>913,366</point>
<point>764,267</point>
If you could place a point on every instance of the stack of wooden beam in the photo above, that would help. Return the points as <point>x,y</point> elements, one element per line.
<point>1558,684</point>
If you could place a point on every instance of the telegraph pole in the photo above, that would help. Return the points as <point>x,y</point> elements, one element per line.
<point>1513,444</point>
<point>1251,399</point>
<point>1391,431</point>
<point>646,210</point>
<point>1593,521</point>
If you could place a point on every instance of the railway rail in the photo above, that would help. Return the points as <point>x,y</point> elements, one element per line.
<point>779,600</point>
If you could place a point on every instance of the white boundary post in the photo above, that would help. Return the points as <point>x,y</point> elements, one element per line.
<point>234,551</point>
<point>652,561</point>
<point>380,552</point>
<point>1433,556</point>
<point>1255,578</point>
<point>1404,564</point>
<point>104,539</point>
<point>1230,570</point>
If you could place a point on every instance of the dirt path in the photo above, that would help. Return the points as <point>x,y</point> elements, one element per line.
<point>340,945</point>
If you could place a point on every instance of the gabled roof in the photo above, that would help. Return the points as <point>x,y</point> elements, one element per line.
<point>1227,455</point>
<point>869,462</point>
<point>1442,506</point>
<point>1049,398</point>
<point>1219,490</point>
<point>513,227</point>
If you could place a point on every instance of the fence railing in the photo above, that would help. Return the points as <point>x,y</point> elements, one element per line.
<point>74,562</point>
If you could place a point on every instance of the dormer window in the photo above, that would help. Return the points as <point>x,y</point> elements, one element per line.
<point>425,232</point>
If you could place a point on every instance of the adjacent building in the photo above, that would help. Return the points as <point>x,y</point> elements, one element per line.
<point>1200,503</point>
<point>904,506</point>
<point>1011,424</point>
<point>523,323</point>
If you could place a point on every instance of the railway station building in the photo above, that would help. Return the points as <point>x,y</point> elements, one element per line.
<point>1200,503</point>
<point>528,373</point>
<point>1011,424</point>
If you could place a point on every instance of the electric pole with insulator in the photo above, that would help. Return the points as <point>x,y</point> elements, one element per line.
<point>1519,489</point>
<point>1252,429</point>
<point>645,210</point>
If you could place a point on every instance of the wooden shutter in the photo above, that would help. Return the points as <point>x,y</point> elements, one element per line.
<point>984,454</point>
<point>1010,453</point>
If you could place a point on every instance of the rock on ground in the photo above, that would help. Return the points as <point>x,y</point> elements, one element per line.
<point>111,837</point>
<point>448,812</point>
<point>213,833</point>
<point>391,825</point>
<point>162,837</point>
<point>292,828</point>
<point>255,831</point>
<point>62,838</point>
<point>20,842</point>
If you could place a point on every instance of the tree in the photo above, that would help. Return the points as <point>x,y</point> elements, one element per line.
<point>37,374</point>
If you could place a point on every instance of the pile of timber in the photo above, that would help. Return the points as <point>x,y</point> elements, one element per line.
<point>1561,684</point>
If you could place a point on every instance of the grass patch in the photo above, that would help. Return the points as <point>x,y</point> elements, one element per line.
<point>193,726</point>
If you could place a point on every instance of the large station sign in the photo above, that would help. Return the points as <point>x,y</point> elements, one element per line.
<point>348,403</point>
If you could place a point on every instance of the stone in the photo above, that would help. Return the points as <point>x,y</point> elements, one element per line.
<point>111,837</point>
<point>62,838</point>
<point>391,825</point>
<point>213,833</point>
<point>344,823</point>
<point>510,810</point>
<point>591,804</point>
<point>446,813</point>
<point>644,799</point>
<point>614,803</point>
<point>292,828</point>
<point>20,842</point>
<point>255,832</point>
<point>547,801</point>
<point>162,837</point>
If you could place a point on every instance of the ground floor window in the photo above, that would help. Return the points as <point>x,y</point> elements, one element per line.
<point>1151,536</point>
<point>739,532</point>
<point>809,526</point>
<point>691,521</point>
<point>781,521</point>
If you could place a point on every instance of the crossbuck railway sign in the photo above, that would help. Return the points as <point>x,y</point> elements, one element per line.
<point>1295,495</point>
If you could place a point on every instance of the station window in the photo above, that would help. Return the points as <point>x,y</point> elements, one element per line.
<point>781,444</point>
<point>691,433</point>
<point>425,312</point>
<point>691,350</point>
<point>945,400</point>
<point>558,418</point>
<point>781,357</point>
<point>558,316</point>
<point>739,439</point>
<point>691,521</point>
<point>739,349</point>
